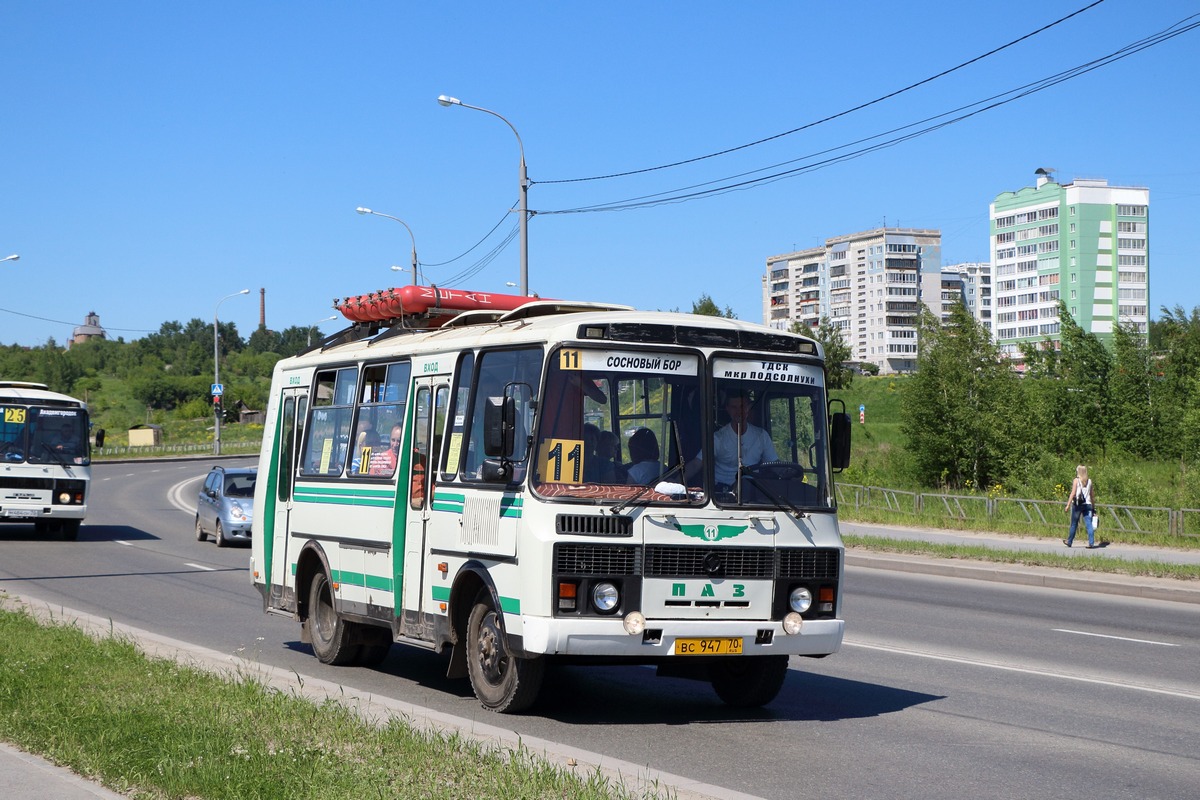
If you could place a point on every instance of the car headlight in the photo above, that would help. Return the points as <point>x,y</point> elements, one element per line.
<point>605,597</point>
<point>800,599</point>
<point>236,510</point>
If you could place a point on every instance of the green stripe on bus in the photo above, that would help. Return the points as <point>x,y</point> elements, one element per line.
<point>341,490</point>
<point>509,605</point>
<point>347,500</point>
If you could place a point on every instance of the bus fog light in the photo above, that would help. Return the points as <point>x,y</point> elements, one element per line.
<point>605,597</point>
<point>792,623</point>
<point>800,600</point>
<point>634,623</point>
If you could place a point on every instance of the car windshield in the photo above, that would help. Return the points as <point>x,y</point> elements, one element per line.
<point>239,485</point>
<point>616,425</point>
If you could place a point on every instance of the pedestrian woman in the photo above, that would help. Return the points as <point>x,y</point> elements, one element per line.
<point>1081,503</point>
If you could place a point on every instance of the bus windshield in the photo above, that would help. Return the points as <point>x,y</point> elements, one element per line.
<point>55,436</point>
<point>767,441</point>
<point>618,424</point>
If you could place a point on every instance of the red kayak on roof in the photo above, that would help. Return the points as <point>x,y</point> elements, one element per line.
<point>407,301</point>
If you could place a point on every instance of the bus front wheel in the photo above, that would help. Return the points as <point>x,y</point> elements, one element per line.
<point>503,682</point>
<point>748,681</point>
<point>329,633</point>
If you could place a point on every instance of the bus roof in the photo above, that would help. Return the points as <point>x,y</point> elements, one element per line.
<point>27,392</point>
<point>557,321</point>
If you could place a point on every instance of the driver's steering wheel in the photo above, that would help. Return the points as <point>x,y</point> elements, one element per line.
<point>775,470</point>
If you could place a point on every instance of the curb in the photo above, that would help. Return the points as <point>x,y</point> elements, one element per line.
<point>640,779</point>
<point>1126,586</point>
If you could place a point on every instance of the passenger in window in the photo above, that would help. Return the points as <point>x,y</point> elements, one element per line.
<point>607,465</point>
<point>644,455</point>
<point>384,461</point>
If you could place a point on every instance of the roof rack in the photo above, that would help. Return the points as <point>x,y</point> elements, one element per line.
<point>428,307</point>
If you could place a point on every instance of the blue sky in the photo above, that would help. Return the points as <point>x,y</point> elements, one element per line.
<point>155,157</point>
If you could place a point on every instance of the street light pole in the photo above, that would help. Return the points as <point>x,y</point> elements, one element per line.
<point>217,373</point>
<point>362,210</point>
<point>13,257</point>
<point>315,324</point>
<point>448,101</point>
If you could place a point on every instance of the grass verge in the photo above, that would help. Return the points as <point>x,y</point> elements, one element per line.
<point>154,728</point>
<point>1153,569</point>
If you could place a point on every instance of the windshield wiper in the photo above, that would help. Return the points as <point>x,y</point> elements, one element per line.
<point>57,455</point>
<point>781,505</point>
<point>619,507</point>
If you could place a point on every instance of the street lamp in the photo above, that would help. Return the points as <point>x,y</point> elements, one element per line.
<point>217,373</point>
<point>318,322</point>
<point>447,101</point>
<point>13,257</point>
<point>362,210</point>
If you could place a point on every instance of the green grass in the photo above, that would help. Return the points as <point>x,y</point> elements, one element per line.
<point>153,728</point>
<point>1114,566</point>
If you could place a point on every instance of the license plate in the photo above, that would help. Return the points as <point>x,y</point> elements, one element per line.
<point>21,512</point>
<point>723,646</point>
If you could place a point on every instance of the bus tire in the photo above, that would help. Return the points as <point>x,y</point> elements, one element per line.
<point>69,530</point>
<point>329,633</point>
<point>748,681</point>
<point>504,683</point>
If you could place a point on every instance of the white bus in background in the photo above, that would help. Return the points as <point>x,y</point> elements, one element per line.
<point>474,473</point>
<point>45,458</point>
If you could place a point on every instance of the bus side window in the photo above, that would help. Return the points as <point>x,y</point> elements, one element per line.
<point>463,380</point>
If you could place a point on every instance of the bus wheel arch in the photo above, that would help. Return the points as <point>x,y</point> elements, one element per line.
<point>503,680</point>
<point>311,561</point>
<point>470,580</point>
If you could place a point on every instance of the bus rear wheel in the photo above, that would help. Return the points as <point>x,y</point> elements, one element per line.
<point>503,682</point>
<point>329,633</point>
<point>748,681</point>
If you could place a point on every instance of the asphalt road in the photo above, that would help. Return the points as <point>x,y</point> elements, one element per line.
<point>946,688</point>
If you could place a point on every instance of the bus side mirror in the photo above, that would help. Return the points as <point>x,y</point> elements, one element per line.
<point>499,416</point>
<point>100,438</point>
<point>839,437</point>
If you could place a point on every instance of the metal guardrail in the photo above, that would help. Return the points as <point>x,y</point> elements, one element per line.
<point>1045,514</point>
<point>150,451</point>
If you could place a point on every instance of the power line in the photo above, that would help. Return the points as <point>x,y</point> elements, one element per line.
<point>832,117</point>
<point>684,194</point>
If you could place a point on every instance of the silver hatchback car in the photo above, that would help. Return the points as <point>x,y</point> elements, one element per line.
<point>225,507</point>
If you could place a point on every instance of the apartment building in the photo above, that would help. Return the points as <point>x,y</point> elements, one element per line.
<point>869,284</point>
<point>969,283</point>
<point>1084,242</point>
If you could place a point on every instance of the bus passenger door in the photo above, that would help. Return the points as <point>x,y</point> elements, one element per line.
<point>291,437</point>
<point>429,423</point>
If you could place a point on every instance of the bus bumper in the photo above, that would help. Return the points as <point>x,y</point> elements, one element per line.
<point>608,637</point>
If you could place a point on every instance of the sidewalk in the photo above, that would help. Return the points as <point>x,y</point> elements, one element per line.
<point>1126,585</point>
<point>27,777</point>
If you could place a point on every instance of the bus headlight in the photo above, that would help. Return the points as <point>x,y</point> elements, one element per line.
<point>64,497</point>
<point>800,599</point>
<point>605,597</point>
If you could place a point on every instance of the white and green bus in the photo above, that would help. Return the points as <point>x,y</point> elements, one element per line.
<point>513,480</point>
<point>45,458</point>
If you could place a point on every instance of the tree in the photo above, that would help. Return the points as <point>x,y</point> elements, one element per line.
<point>837,352</point>
<point>705,306</point>
<point>956,410</point>
<point>1085,366</point>
<point>1134,412</point>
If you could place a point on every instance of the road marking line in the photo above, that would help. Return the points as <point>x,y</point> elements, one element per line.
<point>1025,670</point>
<point>175,495</point>
<point>199,566</point>
<point>1119,638</point>
<point>122,541</point>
